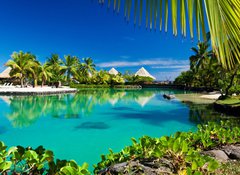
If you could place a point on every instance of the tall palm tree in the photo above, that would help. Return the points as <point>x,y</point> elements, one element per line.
<point>201,57</point>
<point>57,69</point>
<point>222,19</point>
<point>71,63</point>
<point>54,60</point>
<point>44,73</point>
<point>35,73</point>
<point>88,66</point>
<point>22,64</point>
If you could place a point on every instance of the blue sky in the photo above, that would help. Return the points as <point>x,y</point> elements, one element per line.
<point>86,29</point>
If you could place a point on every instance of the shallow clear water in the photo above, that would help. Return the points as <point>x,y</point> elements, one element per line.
<point>85,125</point>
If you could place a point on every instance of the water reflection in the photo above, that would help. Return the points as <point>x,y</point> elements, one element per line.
<point>203,113</point>
<point>24,111</point>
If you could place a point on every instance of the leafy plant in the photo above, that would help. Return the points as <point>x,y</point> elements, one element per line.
<point>183,149</point>
<point>20,160</point>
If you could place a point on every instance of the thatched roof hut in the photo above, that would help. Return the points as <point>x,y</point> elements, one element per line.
<point>113,71</point>
<point>6,73</point>
<point>144,73</point>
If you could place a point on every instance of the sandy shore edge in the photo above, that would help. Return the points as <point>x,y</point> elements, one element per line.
<point>37,90</point>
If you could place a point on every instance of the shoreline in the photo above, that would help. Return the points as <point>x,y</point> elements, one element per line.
<point>36,91</point>
<point>198,98</point>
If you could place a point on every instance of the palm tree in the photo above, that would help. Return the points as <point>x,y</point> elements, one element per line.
<point>44,73</point>
<point>222,19</point>
<point>57,69</point>
<point>88,66</point>
<point>22,64</point>
<point>71,64</point>
<point>35,73</point>
<point>201,57</point>
<point>54,60</point>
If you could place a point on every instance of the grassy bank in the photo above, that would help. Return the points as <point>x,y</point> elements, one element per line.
<point>229,106</point>
<point>231,101</point>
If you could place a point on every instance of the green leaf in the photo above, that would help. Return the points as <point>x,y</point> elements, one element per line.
<point>189,171</point>
<point>184,147</point>
<point>73,164</point>
<point>213,165</point>
<point>11,150</point>
<point>176,145</point>
<point>197,173</point>
<point>84,165</point>
<point>5,166</point>
<point>194,165</point>
<point>40,166</point>
<point>68,170</point>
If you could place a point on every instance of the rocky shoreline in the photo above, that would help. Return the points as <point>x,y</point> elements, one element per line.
<point>164,166</point>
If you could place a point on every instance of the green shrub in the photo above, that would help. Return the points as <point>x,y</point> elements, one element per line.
<point>183,148</point>
<point>88,86</point>
<point>19,160</point>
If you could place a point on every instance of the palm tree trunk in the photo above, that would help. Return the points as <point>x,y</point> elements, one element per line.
<point>21,80</point>
<point>231,82</point>
<point>68,77</point>
<point>35,83</point>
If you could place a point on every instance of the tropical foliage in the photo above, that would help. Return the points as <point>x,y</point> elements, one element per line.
<point>20,160</point>
<point>205,72</point>
<point>23,66</point>
<point>222,19</point>
<point>182,149</point>
<point>71,71</point>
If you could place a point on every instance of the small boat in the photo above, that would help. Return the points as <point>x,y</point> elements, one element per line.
<point>169,97</point>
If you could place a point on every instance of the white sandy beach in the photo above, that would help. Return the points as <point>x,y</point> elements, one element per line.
<point>211,96</point>
<point>199,98</point>
<point>37,90</point>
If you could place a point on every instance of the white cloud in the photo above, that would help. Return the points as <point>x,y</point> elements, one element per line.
<point>185,67</point>
<point>157,62</point>
<point>173,66</point>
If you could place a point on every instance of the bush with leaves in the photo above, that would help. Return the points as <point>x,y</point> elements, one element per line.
<point>183,149</point>
<point>20,160</point>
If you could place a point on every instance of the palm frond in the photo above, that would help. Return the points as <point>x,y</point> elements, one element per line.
<point>223,18</point>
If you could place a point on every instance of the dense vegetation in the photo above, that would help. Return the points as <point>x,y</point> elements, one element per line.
<point>206,72</point>
<point>29,71</point>
<point>183,150</point>
<point>20,160</point>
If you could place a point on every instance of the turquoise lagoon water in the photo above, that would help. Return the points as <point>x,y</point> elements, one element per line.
<point>85,125</point>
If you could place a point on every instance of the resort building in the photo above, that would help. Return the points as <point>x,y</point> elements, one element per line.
<point>144,73</point>
<point>113,71</point>
<point>5,76</point>
<point>6,73</point>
